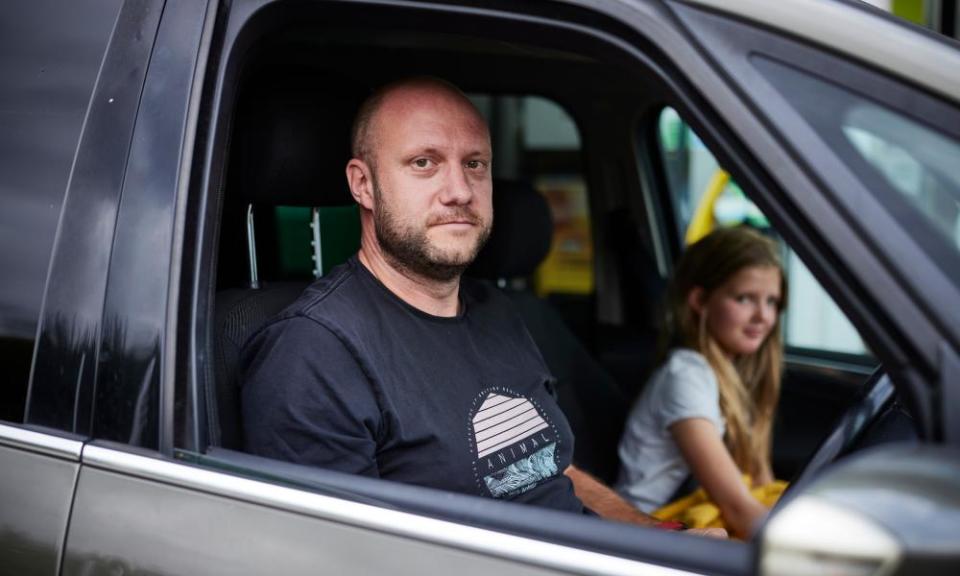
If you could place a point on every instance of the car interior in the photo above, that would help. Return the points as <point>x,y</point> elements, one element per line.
<point>585,233</point>
<point>285,188</point>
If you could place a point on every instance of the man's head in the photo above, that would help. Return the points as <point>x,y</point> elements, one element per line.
<point>421,174</point>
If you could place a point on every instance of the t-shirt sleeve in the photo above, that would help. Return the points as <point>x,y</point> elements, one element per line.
<point>689,391</point>
<point>306,399</point>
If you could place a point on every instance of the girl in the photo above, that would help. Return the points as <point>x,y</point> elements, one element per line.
<point>708,410</point>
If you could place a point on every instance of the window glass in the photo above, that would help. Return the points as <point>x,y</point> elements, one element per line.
<point>49,63</point>
<point>927,175</point>
<point>704,197</point>
<point>536,141</point>
<point>912,166</point>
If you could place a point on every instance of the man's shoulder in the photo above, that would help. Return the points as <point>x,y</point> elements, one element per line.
<point>328,295</point>
<point>321,303</point>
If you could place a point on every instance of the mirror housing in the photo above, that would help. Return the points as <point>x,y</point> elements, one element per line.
<point>893,509</point>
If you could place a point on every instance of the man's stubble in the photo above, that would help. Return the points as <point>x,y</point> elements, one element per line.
<point>411,250</point>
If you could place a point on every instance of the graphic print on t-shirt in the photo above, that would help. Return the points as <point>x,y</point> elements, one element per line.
<point>515,445</point>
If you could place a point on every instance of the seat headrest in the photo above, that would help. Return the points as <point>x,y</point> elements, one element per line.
<point>521,236</point>
<point>296,141</point>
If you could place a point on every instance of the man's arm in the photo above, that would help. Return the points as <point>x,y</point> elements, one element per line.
<point>610,505</point>
<point>306,400</point>
<point>603,500</point>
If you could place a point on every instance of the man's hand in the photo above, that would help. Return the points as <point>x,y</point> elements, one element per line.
<point>709,532</point>
<point>608,504</point>
<point>605,502</point>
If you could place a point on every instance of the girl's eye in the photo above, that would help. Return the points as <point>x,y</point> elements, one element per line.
<point>742,298</point>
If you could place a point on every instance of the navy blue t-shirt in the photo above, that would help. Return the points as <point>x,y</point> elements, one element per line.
<point>352,378</point>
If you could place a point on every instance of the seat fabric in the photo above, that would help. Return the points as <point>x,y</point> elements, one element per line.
<point>292,143</point>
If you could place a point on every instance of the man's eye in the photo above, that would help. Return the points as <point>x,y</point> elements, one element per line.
<point>422,162</point>
<point>476,164</point>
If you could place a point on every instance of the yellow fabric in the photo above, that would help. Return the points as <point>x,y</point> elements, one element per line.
<point>698,511</point>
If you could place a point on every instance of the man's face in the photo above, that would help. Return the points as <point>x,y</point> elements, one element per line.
<point>432,184</point>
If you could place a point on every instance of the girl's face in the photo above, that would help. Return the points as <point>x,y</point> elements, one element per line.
<point>742,311</point>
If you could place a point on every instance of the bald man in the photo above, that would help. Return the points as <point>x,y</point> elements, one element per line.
<point>392,365</point>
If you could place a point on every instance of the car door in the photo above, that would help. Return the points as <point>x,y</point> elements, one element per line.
<point>153,496</point>
<point>139,505</point>
<point>49,70</point>
<point>149,499</point>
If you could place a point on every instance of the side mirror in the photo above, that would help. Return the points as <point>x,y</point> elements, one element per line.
<point>894,509</point>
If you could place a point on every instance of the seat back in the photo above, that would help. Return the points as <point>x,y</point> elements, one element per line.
<point>588,396</point>
<point>291,145</point>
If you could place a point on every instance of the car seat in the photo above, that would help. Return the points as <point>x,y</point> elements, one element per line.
<point>291,147</point>
<point>587,394</point>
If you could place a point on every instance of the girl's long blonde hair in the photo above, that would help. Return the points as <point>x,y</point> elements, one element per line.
<point>750,384</point>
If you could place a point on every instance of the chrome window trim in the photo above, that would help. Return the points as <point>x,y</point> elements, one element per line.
<point>33,441</point>
<point>404,524</point>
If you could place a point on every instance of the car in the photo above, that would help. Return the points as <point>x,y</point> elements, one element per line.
<point>171,175</point>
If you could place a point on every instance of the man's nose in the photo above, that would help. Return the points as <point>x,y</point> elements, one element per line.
<point>457,189</point>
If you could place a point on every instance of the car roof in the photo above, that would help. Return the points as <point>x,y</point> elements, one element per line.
<point>860,31</point>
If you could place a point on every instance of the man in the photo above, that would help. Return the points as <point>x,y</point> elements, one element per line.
<point>392,366</point>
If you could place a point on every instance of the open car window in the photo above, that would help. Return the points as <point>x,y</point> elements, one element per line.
<point>293,100</point>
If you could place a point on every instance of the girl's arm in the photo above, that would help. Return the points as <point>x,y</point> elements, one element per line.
<point>703,449</point>
<point>764,476</point>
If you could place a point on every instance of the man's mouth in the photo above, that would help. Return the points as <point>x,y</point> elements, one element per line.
<point>448,222</point>
<point>461,219</point>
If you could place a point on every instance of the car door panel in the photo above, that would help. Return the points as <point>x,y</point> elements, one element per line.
<point>37,473</point>
<point>142,514</point>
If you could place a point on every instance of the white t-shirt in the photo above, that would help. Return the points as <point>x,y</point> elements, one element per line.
<point>652,467</point>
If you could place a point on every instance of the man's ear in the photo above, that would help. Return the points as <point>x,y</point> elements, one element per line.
<point>360,180</point>
<point>696,299</point>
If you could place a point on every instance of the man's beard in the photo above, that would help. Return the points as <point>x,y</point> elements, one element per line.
<point>410,249</point>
